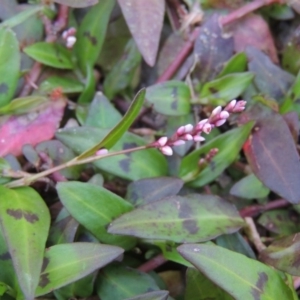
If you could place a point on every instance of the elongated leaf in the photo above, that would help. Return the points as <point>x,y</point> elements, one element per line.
<point>229,145</point>
<point>25,222</point>
<point>77,3</point>
<point>253,280</point>
<point>100,207</point>
<point>180,219</point>
<point>89,87</point>
<point>66,84</point>
<point>236,64</point>
<point>170,98</point>
<point>52,55</point>
<point>9,65</point>
<point>66,263</point>
<point>156,295</point>
<point>116,133</point>
<point>139,14</point>
<point>92,32</point>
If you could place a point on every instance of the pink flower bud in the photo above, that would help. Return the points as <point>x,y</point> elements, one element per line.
<point>224,114</point>
<point>181,130</point>
<point>101,152</point>
<point>200,124</point>
<point>201,161</point>
<point>240,106</point>
<point>206,128</point>
<point>188,128</point>
<point>71,40</point>
<point>199,138</point>
<point>179,143</point>
<point>220,122</point>
<point>231,105</point>
<point>162,141</point>
<point>166,150</point>
<point>216,111</point>
<point>188,137</point>
<point>65,34</point>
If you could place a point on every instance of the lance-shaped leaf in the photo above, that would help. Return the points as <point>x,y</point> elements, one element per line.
<point>25,222</point>
<point>193,218</point>
<point>156,295</point>
<point>237,63</point>
<point>9,65</point>
<point>238,275</point>
<point>95,207</point>
<point>77,3</point>
<point>283,254</point>
<point>273,157</point>
<point>145,20</point>
<point>66,263</point>
<point>91,33</point>
<point>116,133</point>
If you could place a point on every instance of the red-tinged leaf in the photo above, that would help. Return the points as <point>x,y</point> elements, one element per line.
<point>273,157</point>
<point>207,49</point>
<point>145,19</point>
<point>32,128</point>
<point>253,30</point>
<point>77,3</point>
<point>292,120</point>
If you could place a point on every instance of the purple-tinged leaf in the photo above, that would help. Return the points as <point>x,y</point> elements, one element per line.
<point>77,3</point>
<point>145,20</point>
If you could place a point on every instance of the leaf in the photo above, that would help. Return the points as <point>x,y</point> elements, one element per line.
<point>199,287</point>
<point>269,78</point>
<point>223,267</point>
<point>91,33</point>
<point>25,222</point>
<point>66,84</point>
<point>283,254</point>
<point>171,98</point>
<point>225,88</point>
<point>50,54</point>
<point>102,113</point>
<point>253,30</point>
<point>236,64</point>
<point>156,295</point>
<point>123,71</point>
<point>77,3</point>
<point>207,49</point>
<point>66,263</point>
<point>273,157</point>
<point>132,166</point>
<point>118,282</point>
<point>90,86</point>
<point>180,219</point>
<point>249,187</point>
<point>139,14</point>
<point>115,134</point>
<point>229,145</point>
<point>9,65</point>
<point>148,190</point>
<point>41,125</point>
<point>100,207</point>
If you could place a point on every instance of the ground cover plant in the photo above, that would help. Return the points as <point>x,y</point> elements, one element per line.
<point>149,149</point>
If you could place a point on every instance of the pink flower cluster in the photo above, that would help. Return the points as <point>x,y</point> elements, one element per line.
<point>193,133</point>
<point>69,36</point>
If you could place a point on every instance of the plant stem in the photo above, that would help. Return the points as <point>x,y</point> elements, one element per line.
<point>254,235</point>
<point>153,263</point>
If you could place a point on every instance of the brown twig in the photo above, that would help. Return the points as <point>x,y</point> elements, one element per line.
<point>153,263</point>
<point>254,235</point>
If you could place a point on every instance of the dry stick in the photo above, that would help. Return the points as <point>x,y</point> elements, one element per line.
<point>254,235</point>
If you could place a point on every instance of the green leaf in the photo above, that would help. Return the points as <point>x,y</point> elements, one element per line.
<point>23,105</point>
<point>249,187</point>
<point>118,282</point>
<point>100,207</point>
<point>25,222</point>
<point>9,65</point>
<point>223,89</point>
<point>123,71</point>
<point>92,32</point>
<point>238,275</point>
<point>50,54</point>
<point>171,98</point>
<point>193,218</point>
<point>236,64</point>
<point>66,84</point>
<point>66,263</point>
<point>77,3</point>
<point>116,133</point>
<point>229,145</point>
<point>90,86</point>
<point>156,295</point>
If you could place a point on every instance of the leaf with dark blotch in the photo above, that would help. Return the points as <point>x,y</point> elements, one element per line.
<point>284,254</point>
<point>77,3</point>
<point>253,30</point>
<point>145,20</point>
<point>118,282</point>
<point>66,263</point>
<point>238,275</point>
<point>193,218</point>
<point>25,221</point>
<point>207,49</point>
<point>152,189</point>
<point>273,157</point>
<point>269,78</point>
<point>9,65</point>
<point>156,295</point>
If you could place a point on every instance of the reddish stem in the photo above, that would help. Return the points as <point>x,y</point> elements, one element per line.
<point>153,263</point>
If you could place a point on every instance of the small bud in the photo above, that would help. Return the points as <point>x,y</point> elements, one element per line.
<point>206,128</point>
<point>216,111</point>
<point>101,152</point>
<point>230,106</point>
<point>65,34</point>
<point>200,124</point>
<point>224,114</point>
<point>166,150</point>
<point>201,162</point>
<point>199,138</point>
<point>180,130</point>
<point>188,137</point>
<point>240,106</point>
<point>188,128</point>
<point>220,122</point>
<point>162,141</point>
<point>71,40</point>
<point>179,143</point>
